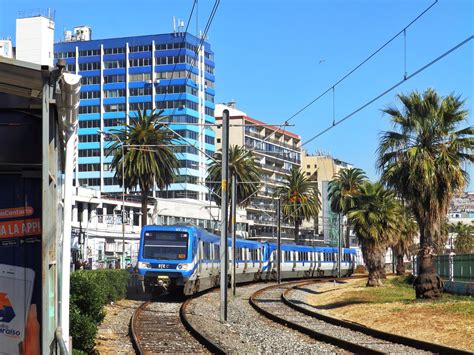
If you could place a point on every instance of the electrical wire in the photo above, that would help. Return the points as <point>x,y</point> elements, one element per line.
<point>332,87</point>
<point>426,66</point>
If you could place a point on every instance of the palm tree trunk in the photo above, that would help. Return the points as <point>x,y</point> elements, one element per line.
<point>144,207</point>
<point>400,269</point>
<point>428,284</point>
<point>372,257</point>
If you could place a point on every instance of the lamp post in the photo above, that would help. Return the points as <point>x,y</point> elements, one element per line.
<point>106,133</point>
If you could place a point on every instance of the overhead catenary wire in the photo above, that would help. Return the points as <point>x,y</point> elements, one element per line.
<point>408,77</point>
<point>333,86</point>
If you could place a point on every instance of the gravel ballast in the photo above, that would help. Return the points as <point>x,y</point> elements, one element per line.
<point>247,331</point>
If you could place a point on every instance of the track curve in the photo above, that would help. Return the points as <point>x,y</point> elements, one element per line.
<point>389,337</point>
<point>270,302</point>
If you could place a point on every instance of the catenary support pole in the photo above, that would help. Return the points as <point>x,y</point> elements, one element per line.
<point>233,225</point>
<point>224,202</point>
<point>279,240</point>
<point>339,247</point>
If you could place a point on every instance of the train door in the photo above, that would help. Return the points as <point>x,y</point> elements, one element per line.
<point>199,256</point>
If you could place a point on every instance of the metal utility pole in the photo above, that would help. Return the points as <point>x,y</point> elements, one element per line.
<point>224,201</point>
<point>339,247</point>
<point>233,225</point>
<point>279,240</point>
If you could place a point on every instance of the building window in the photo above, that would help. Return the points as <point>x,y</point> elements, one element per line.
<point>89,109</point>
<point>114,93</point>
<point>114,50</point>
<point>140,62</point>
<point>90,80</point>
<point>218,140</point>
<point>135,106</point>
<point>140,91</point>
<point>114,108</point>
<point>88,138</point>
<point>89,123</point>
<point>85,95</point>
<point>89,153</point>
<point>89,66</point>
<point>113,122</point>
<point>112,64</point>
<point>119,78</point>
<point>139,77</point>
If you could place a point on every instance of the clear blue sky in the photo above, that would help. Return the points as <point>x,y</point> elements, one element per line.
<point>268,55</point>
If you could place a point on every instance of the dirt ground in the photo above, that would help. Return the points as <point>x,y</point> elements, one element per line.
<point>449,322</point>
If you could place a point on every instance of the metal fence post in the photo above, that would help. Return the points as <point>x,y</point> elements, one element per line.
<point>451,267</point>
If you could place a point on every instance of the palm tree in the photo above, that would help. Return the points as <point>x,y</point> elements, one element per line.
<point>374,217</point>
<point>299,198</point>
<point>342,190</point>
<point>404,241</point>
<point>422,160</point>
<point>244,165</point>
<point>464,243</point>
<point>148,157</point>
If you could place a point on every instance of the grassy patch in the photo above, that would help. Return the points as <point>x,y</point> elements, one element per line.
<point>394,308</point>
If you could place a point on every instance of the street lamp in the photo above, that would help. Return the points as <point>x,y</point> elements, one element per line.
<point>110,134</point>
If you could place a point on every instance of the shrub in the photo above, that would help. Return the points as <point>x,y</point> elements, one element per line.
<point>83,330</point>
<point>360,269</point>
<point>90,291</point>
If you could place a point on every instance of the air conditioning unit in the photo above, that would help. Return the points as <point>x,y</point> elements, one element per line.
<point>157,81</point>
<point>148,81</point>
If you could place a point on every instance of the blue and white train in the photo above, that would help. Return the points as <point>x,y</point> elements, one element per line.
<point>185,259</point>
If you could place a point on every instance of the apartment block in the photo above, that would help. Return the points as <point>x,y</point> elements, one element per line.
<point>169,72</point>
<point>278,151</point>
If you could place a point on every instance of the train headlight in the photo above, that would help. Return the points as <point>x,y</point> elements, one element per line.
<point>144,265</point>
<point>184,266</point>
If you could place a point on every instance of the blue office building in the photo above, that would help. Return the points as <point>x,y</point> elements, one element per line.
<point>121,75</point>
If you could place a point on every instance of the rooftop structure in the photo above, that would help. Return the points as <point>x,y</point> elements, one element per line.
<point>35,37</point>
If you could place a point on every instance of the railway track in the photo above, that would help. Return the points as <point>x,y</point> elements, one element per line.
<point>162,327</point>
<point>278,304</point>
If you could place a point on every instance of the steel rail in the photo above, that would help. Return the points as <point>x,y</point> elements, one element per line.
<point>356,348</point>
<point>204,340</point>
<point>133,328</point>
<point>394,338</point>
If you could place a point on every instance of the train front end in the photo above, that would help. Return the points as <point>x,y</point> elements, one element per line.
<point>165,258</point>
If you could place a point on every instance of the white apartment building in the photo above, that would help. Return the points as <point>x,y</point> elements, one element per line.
<point>278,152</point>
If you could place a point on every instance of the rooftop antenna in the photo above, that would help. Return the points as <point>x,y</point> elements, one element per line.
<point>182,26</point>
<point>174,26</point>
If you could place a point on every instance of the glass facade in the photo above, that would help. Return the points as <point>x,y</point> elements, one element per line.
<point>122,75</point>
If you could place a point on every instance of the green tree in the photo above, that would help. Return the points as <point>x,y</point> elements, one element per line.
<point>404,241</point>
<point>244,165</point>
<point>342,191</point>
<point>299,199</point>
<point>464,243</point>
<point>422,160</point>
<point>375,218</point>
<point>148,156</point>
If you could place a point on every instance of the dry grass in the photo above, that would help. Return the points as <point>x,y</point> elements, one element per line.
<point>393,308</point>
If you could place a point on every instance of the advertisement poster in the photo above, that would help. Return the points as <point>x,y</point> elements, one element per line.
<point>20,265</point>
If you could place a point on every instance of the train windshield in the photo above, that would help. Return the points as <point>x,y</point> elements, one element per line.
<point>165,245</point>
